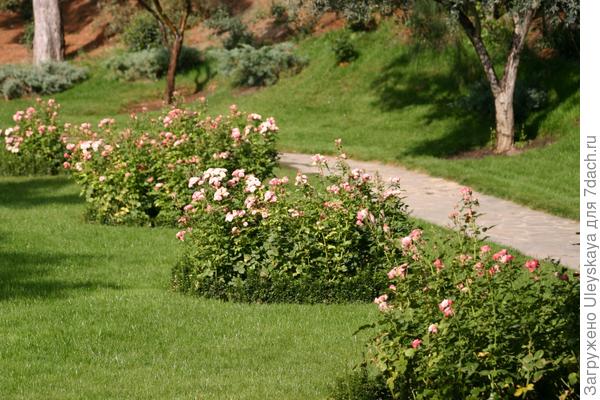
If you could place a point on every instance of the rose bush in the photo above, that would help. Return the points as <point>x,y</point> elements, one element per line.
<point>289,241</point>
<point>461,321</point>
<point>34,145</point>
<point>139,174</point>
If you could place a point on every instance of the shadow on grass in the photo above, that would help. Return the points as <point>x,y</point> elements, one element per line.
<point>439,91</point>
<point>28,275</point>
<point>36,191</point>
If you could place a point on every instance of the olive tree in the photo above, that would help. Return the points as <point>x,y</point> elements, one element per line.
<point>472,16</point>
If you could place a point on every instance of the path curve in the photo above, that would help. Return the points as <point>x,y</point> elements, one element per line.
<point>532,232</point>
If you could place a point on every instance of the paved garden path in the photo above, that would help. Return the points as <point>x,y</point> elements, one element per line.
<point>532,232</point>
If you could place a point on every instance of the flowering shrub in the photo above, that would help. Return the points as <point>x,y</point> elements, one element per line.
<point>461,321</point>
<point>34,144</point>
<point>288,241</point>
<point>140,174</point>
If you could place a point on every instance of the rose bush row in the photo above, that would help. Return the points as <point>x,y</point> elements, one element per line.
<point>138,174</point>
<point>461,321</point>
<point>35,143</point>
<point>288,239</point>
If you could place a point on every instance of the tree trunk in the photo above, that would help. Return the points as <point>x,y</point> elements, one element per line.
<point>505,121</point>
<point>175,51</point>
<point>48,39</point>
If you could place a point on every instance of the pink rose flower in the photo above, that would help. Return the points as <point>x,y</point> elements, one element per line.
<point>485,249</point>
<point>433,329</point>
<point>438,264</point>
<point>415,344</point>
<point>532,265</point>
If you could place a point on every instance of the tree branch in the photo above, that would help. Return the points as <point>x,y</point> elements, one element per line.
<point>474,36</point>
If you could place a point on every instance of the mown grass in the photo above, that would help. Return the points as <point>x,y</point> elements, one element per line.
<point>86,312</point>
<point>396,104</point>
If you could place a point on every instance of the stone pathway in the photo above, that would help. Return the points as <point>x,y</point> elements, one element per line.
<point>534,233</point>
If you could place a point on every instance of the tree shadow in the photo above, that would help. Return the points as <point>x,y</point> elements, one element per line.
<point>29,275</point>
<point>36,191</point>
<point>440,92</point>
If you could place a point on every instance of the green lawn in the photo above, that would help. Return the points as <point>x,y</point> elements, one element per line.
<point>85,312</point>
<point>394,104</point>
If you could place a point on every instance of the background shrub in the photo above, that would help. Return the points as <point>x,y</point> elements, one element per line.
<point>233,31</point>
<point>23,7</point>
<point>34,145</point>
<point>249,66</point>
<point>344,49</point>
<point>150,64</point>
<point>139,175</point>
<point>278,242</point>
<point>49,78</point>
<point>142,33</point>
<point>463,322</point>
<point>27,37</point>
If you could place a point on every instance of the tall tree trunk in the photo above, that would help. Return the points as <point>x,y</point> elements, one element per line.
<point>502,89</point>
<point>175,51</point>
<point>505,121</point>
<point>48,39</point>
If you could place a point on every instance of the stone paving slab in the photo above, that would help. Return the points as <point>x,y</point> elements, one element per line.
<point>532,232</point>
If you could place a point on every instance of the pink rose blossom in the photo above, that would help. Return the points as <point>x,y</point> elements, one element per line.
<point>198,195</point>
<point>235,134</point>
<point>181,235</point>
<point>399,271</point>
<point>503,256</point>
<point>438,264</point>
<point>270,197</point>
<point>416,234</point>
<point>415,344</point>
<point>301,179</point>
<point>485,249</point>
<point>446,307</point>
<point>318,159</point>
<point>220,194</point>
<point>406,242</point>
<point>433,329</point>
<point>532,265</point>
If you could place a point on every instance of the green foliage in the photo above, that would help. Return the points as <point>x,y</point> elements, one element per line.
<point>360,385</point>
<point>150,64</point>
<point>274,242</point>
<point>142,33</point>
<point>279,12</point>
<point>139,175</point>
<point>33,146</point>
<point>27,37</point>
<point>234,32</point>
<point>344,49</point>
<point>461,323</point>
<point>359,15</point>
<point>429,24</point>
<point>23,7</point>
<point>249,66</point>
<point>49,78</point>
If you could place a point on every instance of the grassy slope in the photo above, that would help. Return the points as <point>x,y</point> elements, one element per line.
<point>85,312</point>
<point>393,105</point>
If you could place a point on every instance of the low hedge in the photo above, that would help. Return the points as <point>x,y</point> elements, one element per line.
<point>282,242</point>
